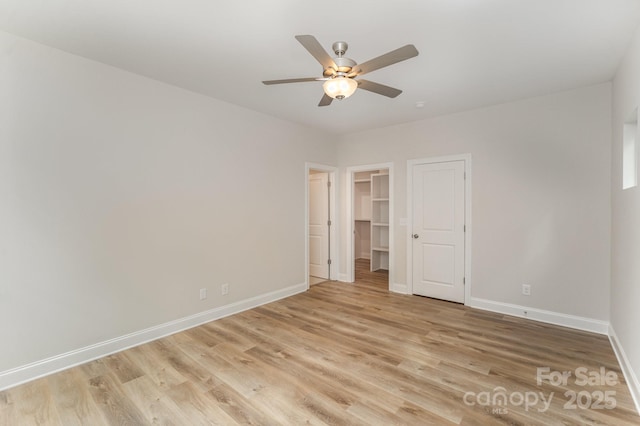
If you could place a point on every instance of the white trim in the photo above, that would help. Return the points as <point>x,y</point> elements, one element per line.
<point>350,276</point>
<point>334,246</point>
<point>632,380</point>
<point>556,318</point>
<point>467,217</point>
<point>399,288</point>
<point>35,370</point>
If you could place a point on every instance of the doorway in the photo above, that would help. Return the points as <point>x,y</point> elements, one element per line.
<point>320,246</point>
<point>370,223</point>
<point>439,211</point>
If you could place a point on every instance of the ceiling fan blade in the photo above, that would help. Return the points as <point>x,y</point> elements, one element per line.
<point>378,88</point>
<point>317,51</point>
<point>390,58</point>
<point>292,80</point>
<point>326,100</point>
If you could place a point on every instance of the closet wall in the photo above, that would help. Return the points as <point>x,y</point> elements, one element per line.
<point>362,215</point>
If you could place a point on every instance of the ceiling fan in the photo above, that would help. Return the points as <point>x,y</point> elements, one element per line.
<point>339,73</point>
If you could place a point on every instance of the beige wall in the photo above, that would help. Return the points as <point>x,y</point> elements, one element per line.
<point>625,247</point>
<point>121,197</point>
<point>541,215</point>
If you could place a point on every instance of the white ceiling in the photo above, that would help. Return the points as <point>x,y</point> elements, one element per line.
<point>472,52</point>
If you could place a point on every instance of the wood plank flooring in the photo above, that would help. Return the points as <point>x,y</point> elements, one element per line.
<point>337,354</point>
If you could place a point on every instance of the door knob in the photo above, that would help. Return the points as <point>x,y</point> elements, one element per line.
<point>415,236</point>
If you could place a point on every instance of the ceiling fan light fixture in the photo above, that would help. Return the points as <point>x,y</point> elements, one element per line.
<point>339,73</point>
<point>340,87</point>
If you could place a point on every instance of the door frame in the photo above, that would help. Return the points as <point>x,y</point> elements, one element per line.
<point>351,171</point>
<point>467,215</point>
<point>333,208</point>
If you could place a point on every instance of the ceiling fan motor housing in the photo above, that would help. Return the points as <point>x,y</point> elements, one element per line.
<point>343,64</point>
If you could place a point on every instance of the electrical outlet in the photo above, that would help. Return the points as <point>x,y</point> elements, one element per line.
<point>526,289</point>
<point>203,293</point>
<point>224,289</point>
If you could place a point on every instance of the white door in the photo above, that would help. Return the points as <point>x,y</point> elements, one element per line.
<point>319,225</point>
<point>438,230</point>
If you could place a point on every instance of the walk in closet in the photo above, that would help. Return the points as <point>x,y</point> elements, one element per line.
<point>371,217</point>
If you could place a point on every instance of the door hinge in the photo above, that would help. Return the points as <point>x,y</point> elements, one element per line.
<point>329,262</point>
<point>329,223</point>
<point>464,281</point>
<point>464,228</point>
<point>328,184</point>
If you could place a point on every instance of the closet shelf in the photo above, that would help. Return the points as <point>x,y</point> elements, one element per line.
<point>371,210</point>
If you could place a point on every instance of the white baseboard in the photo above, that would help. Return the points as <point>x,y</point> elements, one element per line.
<point>399,288</point>
<point>25,373</point>
<point>343,278</point>
<point>629,375</point>
<point>571,321</point>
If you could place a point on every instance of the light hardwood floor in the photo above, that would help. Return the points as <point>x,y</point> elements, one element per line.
<point>338,354</point>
